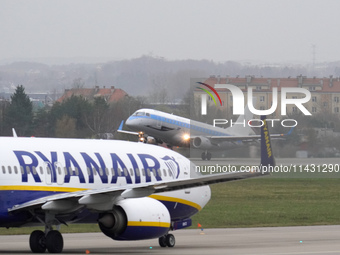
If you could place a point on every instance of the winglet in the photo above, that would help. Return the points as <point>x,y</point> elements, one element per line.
<point>290,131</point>
<point>267,156</point>
<point>14,133</point>
<point>121,126</point>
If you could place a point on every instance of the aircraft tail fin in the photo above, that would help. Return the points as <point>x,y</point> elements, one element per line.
<point>120,128</point>
<point>267,156</point>
<point>14,133</point>
<point>240,126</point>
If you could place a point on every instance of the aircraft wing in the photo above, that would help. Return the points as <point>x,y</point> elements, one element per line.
<point>75,200</point>
<point>120,130</point>
<point>217,139</point>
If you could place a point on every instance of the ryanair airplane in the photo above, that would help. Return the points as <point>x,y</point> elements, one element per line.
<point>134,191</point>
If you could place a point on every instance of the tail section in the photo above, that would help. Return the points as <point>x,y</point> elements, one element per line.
<point>267,156</point>
<point>240,127</point>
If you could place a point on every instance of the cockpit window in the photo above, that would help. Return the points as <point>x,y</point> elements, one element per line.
<point>139,114</point>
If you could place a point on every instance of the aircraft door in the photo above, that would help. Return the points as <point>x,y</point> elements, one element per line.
<point>159,122</point>
<point>60,173</point>
<point>186,172</point>
<point>48,173</point>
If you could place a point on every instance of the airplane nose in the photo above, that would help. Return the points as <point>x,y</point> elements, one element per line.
<point>129,122</point>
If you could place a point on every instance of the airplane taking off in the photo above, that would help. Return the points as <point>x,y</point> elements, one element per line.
<point>134,191</point>
<point>178,131</point>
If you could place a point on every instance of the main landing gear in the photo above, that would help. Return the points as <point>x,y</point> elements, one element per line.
<point>167,240</point>
<point>206,155</point>
<point>52,240</point>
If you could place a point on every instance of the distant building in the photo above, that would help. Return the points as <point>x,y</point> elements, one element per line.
<point>110,94</point>
<point>325,93</point>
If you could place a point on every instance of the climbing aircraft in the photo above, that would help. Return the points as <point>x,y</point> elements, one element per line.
<point>178,131</point>
<point>133,191</point>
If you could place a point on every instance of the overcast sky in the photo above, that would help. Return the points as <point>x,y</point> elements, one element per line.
<point>266,30</point>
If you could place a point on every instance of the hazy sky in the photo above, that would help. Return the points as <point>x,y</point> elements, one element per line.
<point>267,30</point>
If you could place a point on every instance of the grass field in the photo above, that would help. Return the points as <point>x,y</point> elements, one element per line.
<point>272,202</point>
<point>258,202</point>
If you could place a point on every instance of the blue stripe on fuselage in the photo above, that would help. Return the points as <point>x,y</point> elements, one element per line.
<point>204,131</point>
<point>10,198</point>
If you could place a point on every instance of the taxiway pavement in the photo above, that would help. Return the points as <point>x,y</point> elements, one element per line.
<point>252,241</point>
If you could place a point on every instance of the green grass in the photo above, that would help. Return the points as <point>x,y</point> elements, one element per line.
<point>272,202</point>
<point>260,202</point>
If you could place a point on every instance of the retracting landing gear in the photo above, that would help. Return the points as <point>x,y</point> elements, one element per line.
<point>52,240</point>
<point>206,155</point>
<point>167,240</point>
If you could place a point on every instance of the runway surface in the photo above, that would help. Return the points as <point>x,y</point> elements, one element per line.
<point>274,241</point>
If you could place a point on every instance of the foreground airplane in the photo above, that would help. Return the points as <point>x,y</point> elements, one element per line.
<point>134,191</point>
<point>178,131</point>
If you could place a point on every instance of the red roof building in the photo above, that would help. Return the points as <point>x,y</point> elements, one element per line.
<point>110,94</point>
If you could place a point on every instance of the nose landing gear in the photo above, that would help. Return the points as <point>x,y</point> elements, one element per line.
<point>206,155</point>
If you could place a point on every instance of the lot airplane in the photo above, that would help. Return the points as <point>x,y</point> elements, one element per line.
<point>134,191</point>
<point>178,131</point>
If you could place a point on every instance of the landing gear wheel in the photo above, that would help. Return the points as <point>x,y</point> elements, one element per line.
<point>203,156</point>
<point>208,155</point>
<point>37,241</point>
<point>162,241</point>
<point>170,240</point>
<point>54,242</point>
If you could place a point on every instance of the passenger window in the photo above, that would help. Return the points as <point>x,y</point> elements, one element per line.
<point>3,170</point>
<point>9,170</point>
<point>101,171</point>
<point>170,174</point>
<point>71,171</point>
<point>59,170</point>
<point>131,172</point>
<point>65,170</point>
<point>76,171</point>
<point>15,170</point>
<point>154,172</point>
<point>113,172</point>
<point>22,170</point>
<point>159,172</point>
<point>28,170</point>
<point>119,172</point>
<point>164,172</point>
<point>137,172</point>
<point>107,171</point>
<point>143,171</point>
<point>34,170</point>
<point>125,172</point>
<point>88,171</point>
<point>41,170</point>
<point>148,172</point>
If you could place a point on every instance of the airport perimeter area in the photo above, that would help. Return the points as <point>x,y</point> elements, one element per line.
<point>315,240</point>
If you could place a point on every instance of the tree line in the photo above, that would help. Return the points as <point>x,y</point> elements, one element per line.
<point>75,117</point>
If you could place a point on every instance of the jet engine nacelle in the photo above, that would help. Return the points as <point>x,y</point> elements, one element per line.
<point>136,219</point>
<point>201,142</point>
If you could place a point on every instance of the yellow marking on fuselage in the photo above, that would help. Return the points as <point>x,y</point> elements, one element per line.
<point>178,200</point>
<point>41,188</point>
